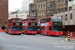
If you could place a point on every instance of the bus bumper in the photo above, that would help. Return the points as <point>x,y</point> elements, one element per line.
<point>31,32</point>
<point>16,32</point>
<point>57,33</point>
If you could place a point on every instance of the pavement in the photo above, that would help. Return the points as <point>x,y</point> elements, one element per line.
<point>2,30</point>
<point>33,42</point>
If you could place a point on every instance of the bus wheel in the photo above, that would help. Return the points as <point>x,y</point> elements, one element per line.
<point>25,32</point>
<point>6,32</point>
<point>47,33</point>
<point>41,32</point>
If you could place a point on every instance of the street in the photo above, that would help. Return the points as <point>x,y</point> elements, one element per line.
<point>33,42</point>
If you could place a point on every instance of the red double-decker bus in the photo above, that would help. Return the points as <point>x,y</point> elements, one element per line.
<point>14,26</point>
<point>51,26</point>
<point>30,25</point>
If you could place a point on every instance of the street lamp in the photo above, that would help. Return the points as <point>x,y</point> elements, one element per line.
<point>17,13</point>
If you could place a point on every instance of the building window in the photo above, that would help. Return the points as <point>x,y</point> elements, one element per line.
<point>47,4</point>
<point>66,17</point>
<point>71,16</point>
<point>48,12</point>
<point>61,9</point>
<point>38,6</point>
<point>58,2</point>
<point>43,5</point>
<point>38,13</point>
<point>39,0</point>
<point>70,8</point>
<point>35,7</point>
<point>34,13</point>
<point>66,1</point>
<point>53,11</point>
<point>32,7</point>
<point>43,13</point>
<point>62,2</point>
<point>50,4</point>
<point>58,10</point>
<point>53,3</point>
<point>66,9</point>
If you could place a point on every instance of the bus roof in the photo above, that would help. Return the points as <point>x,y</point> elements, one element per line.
<point>15,18</point>
<point>50,17</point>
<point>30,18</point>
<point>46,17</point>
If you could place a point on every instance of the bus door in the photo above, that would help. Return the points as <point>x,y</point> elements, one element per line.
<point>43,30</point>
<point>49,30</point>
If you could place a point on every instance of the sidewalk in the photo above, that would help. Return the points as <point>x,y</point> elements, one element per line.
<point>2,30</point>
<point>72,40</point>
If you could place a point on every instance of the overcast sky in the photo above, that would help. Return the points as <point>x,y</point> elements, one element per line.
<point>14,4</point>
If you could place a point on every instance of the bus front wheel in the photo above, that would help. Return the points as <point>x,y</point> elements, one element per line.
<point>25,32</point>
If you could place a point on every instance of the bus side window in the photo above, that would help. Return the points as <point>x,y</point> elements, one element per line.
<point>49,27</point>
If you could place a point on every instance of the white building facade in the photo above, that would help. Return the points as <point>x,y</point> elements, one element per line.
<point>19,15</point>
<point>70,3</point>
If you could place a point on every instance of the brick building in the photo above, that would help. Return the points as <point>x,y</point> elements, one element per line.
<point>62,6</point>
<point>51,7</point>
<point>33,9</point>
<point>41,9</point>
<point>47,8</point>
<point>3,12</point>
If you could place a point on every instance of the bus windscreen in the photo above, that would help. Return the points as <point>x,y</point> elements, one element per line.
<point>31,28</point>
<point>17,20</point>
<point>33,20</point>
<point>15,28</point>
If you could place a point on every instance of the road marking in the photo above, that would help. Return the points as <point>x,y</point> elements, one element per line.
<point>66,41</point>
<point>62,40</point>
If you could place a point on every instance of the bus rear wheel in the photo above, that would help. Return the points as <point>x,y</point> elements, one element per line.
<point>6,32</point>
<point>41,32</point>
<point>47,34</point>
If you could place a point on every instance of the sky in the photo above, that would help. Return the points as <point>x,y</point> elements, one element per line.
<point>14,5</point>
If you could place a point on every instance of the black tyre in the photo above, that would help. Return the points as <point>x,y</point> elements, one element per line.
<point>41,32</point>
<point>6,32</point>
<point>47,34</point>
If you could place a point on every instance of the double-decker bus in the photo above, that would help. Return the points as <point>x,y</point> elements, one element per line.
<point>14,26</point>
<point>30,25</point>
<point>51,26</point>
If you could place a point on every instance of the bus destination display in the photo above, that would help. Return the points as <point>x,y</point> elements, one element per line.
<point>32,23</point>
<point>55,23</point>
<point>17,23</point>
